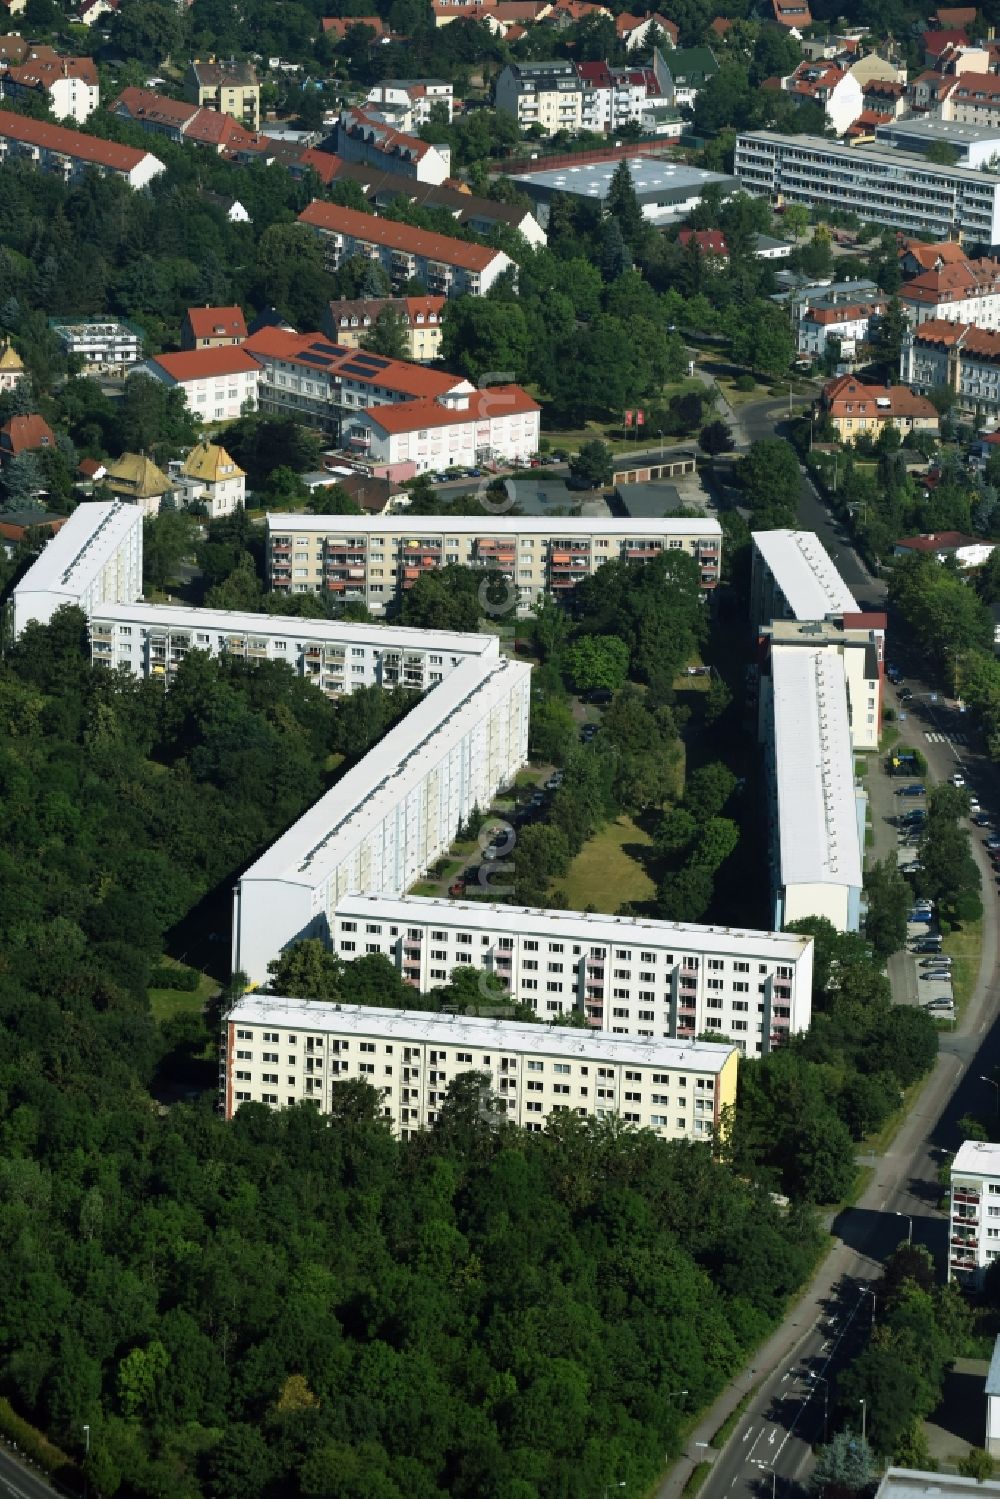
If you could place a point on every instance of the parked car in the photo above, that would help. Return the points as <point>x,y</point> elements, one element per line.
<point>940,1005</point>
<point>906,694</point>
<point>555,780</point>
<point>927,944</point>
<point>993,844</point>
<point>923,904</point>
<point>937,973</point>
<point>939,962</point>
<point>975,806</point>
<point>587,732</point>
<point>915,788</point>
<point>921,915</point>
<point>983,820</point>
<point>957,778</point>
<point>894,674</point>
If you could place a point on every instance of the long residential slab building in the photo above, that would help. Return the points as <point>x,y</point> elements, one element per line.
<point>974,1227</point>
<point>652,980</point>
<point>371,559</point>
<point>338,656</point>
<point>94,559</point>
<point>392,815</point>
<point>282,1052</point>
<point>901,189</point>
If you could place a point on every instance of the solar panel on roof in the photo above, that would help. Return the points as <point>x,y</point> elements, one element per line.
<point>328,348</point>
<point>309,357</point>
<point>355,369</point>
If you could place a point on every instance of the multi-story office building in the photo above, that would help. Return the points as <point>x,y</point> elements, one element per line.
<point>882,185</point>
<point>151,640</point>
<point>793,577</point>
<point>392,815</point>
<point>95,558</point>
<point>286,1051</point>
<point>447,267</point>
<point>816,810</point>
<point>647,979</point>
<point>547,94</point>
<point>974,1227</point>
<point>964,358</point>
<point>369,559</point>
<point>859,640</point>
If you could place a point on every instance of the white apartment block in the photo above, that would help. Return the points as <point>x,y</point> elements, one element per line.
<point>793,577</point>
<point>151,640</point>
<point>851,323</point>
<point>69,154</point>
<point>387,820</point>
<point>882,185</point>
<point>447,267</point>
<point>219,384</point>
<point>370,558</point>
<point>101,343</point>
<point>549,94</point>
<point>407,102</point>
<point>95,558</point>
<point>498,425</point>
<point>964,293</point>
<point>815,809</point>
<point>652,980</point>
<point>286,1051</point>
<point>859,640</point>
<point>974,1226</point>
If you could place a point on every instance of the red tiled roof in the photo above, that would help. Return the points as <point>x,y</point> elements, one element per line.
<point>70,143</point>
<point>624,23</point>
<point>411,416</point>
<point>91,468</point>
<point>22,434</point>
<point>847,396</point>
<point>217,322</point>
<point>202,364</point>
<point>359,123</point>
<point>844,312</point>
<point>947,335</point>
<point>341,25</point>
<point>323,163</point>
<point>968,87</point>
<point>399,375</point>
<point>363,226</point>
<point>720,25</point>
<point>146,104</point>
<point>955,15</point>
<point>45,72</point>
<point>866,122</point>
<point>791,12</point>
<point>938,541</point>
<point>707,241</point>
<point>936,42</point>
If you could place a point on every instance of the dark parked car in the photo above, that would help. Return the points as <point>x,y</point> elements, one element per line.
<point>915,788</point>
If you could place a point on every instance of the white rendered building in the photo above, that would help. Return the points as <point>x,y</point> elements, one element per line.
<point>102,343</point>
<point>646,979</point>
<point>815,808</point>
<point>370,558</point>
<point>498,425</point>
<point>219,384</point>
<point>70,154</point>
<point>285,1051</point>
<point>974,1227</point>
<point>152,640</point>
<point>392,815</point>
<point>793,577</point>
<point>859,640</point>
<point>95,558</point>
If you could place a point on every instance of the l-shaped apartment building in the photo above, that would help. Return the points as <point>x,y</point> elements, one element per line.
<point>371,559</point>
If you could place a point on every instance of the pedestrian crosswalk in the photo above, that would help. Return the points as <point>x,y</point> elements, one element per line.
<point>953,740</point>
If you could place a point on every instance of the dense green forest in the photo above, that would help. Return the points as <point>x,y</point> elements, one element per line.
<point>290,1305</point>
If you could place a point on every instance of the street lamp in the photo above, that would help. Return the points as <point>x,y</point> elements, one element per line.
<point>996,1090</point>
<point>86,1454</point>
<point>909,1236</point>
<point>864,1419</point>
<point>826,1399</point>
<point>774,1477</point>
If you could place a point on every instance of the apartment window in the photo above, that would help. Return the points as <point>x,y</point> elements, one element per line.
<point>536,1066</point>
<point>244,1035</point>
<point>562,1067</point>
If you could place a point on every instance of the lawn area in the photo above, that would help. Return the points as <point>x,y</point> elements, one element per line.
<point>604,875</point>
<point>965,948</point>
<point>167,1002</point>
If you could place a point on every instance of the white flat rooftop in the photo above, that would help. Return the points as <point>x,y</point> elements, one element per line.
<point>79,550</point>
<point>910,1483</point>
<point>817,816</point>
<point>463,1030</point>
<point>977,1157</point>
<point>572,925</point>
<point>803,569</point>
<point>324,835</point>
<point>291,626</point>
<point>491,525</point>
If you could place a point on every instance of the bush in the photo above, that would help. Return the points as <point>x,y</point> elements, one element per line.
<point>186,980</point>
<point>29,1442</point>
<point>745,383</point>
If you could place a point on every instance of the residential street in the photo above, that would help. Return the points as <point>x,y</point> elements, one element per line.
<point>771,1445</point>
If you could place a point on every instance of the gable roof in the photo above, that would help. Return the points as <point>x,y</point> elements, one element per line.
<point>847,396</point>
<point>209,463</point>
<point>202,364</point>
<point>948,335</point>
<point>44,72</point>
<point>142,104</point>
<point>412,416</point>
<point>939,541</point>
<point>137,476</point>
<point>10,359</point>
<point>70,143</point>
<point>216,322</point>
<point>341,25</point>
<point>24,434</point>
<point>706,241</point>
<point>363,226</point>
<point>316,352</point>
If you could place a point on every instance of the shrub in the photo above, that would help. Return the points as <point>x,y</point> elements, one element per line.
<point>184,979</point>
<point>745,383</point>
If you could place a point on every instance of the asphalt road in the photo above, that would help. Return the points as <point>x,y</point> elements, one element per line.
<point>19,1482</point>
<point>792,1379</point>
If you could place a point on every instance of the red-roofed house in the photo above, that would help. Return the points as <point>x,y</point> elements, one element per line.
<point>332,381</point>
<point>916,256</point>
<point>957,17</point>
<point>855,408</point>
<point>936,42</point>
<point>91,470</point>
<point>930,91</point>
<point>967,291</point>
<point>156,114</point>
<point>964,358</point>
<point>968,551</point>
<point>838,91</point>
<point>722,25</point>
<point>339,26</point>
<point>884,96</point>
<point>348,322</point>
<point>710,243</point>
<point>68,153</point>
<point>446,266</point>
<point>850,322</point>
<point>212,327</point>
<point>218,384</point>
<point>864,127</point>
<point>634,30</point>
<point>363,137</point>
<point>25,434</point>
<point>975,100</point>
<point>500,424</point>
<point>69,85</point>
<point>793,14</point>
